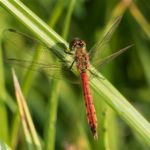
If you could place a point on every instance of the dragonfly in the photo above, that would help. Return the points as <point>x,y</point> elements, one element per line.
<point>82,60</point>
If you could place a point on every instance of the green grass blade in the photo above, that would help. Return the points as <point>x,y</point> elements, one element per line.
<point>35,25</point>
<point>3,112</point>
<point>56,13</point>
<point>3,123</point>
<point>52,21</point>
<point>68,19</point>
<point>138,16</point>
<point>132,117</point>
<point>50,128</point>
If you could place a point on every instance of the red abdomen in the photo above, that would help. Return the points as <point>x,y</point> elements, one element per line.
<point>90,109</point>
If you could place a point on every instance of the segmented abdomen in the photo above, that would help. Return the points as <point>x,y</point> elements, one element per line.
<point>90,109</point>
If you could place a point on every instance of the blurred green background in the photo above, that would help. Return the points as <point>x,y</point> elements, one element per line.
<point>129,73</point>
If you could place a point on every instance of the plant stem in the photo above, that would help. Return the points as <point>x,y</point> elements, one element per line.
<point>105,89</point>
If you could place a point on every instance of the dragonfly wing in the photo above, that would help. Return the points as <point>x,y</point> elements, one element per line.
<point>53,71</point>
<point>95,51</point>
<point>109,58</point>
<point>20,45</point>
<point>21,50</point>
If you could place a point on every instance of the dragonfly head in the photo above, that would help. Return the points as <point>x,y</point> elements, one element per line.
<point>77,44</point>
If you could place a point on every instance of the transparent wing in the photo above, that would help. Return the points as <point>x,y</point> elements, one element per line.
<point>96,50</point>
<point>109,58</point>
<point>53,71</point>
<point>20,45</point>
<point>106,60</point>
<point>21,50</point>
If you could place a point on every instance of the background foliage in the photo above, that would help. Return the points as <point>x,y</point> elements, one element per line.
<point>129,74</point>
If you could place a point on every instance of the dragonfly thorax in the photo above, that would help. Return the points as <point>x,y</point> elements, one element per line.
<point>78,46</point>
<point>82,60</point>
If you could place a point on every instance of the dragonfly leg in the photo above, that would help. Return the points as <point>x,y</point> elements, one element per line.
<point>71,65</point>
<point>68,52</point>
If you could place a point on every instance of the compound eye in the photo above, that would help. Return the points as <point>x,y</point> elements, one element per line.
<point>73,43</point>
<point>83,45</point>
<point>76,43</point>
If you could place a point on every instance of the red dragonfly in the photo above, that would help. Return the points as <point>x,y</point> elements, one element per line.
<point>82,59</point>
